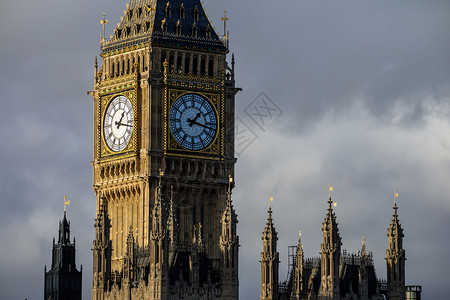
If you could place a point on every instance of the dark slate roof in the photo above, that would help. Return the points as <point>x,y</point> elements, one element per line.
<point>170,23</point>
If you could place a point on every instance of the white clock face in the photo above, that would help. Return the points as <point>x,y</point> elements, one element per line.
<point>118,123</point>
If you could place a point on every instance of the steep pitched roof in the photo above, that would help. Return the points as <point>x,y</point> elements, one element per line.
<point>172,23</point>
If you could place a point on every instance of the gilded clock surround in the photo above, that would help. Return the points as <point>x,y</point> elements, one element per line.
<point>107,95</point>
<point>214,147</point>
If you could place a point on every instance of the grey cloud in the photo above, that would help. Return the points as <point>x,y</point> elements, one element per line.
<point>375,72</point>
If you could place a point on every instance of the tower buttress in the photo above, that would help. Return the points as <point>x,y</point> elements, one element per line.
<point>269,261</point>
<point>395,260</point>
<point>158,247</point>
<point>101,253</point>
<point>129,270</point>
<point>229,248</point>
<point>330,256</point>
<point>298,285</point>
<point>363,276</point>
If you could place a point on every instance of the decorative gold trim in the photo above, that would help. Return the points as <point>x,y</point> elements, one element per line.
<point>131,149</point>
<point>171,145</point>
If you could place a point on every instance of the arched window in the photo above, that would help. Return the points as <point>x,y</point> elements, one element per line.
<point>194,30</point>
<point>164,26</point>
<point>182,12</point>
<point>138,12</point>
<point>202,66</point>
<point>179,63</point>
<point>195,65</point>
<point>168,10</point>
<point>171,62</point>
<point>186,63</point>
<point>211,66</point>
<point>178,28</point>
<point>195,13</point>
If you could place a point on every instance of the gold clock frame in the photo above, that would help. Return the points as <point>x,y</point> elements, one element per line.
<point>172,144</point>
<point>104,152</point>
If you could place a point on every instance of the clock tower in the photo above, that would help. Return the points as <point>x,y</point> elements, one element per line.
<point>164,98</point>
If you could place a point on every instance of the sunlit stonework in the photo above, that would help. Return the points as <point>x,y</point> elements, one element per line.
<point>163,156</point>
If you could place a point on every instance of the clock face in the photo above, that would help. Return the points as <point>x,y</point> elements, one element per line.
<point>118,123</point>
<point>193,122</point>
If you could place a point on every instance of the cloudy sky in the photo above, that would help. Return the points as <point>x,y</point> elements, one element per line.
<point>362,97</point>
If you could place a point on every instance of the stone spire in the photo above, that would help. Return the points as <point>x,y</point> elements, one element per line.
<point>158,229</point>
<point>102,253</point>
<point>363,284</point>
<point>229,248</point>
<point>395,258</point>
<point>63,267</point>
<point>129,270</point>
<point>159,254</point>
<point>330,255</point>
<point>269,261</point>
<point>297,284</point>
<point>172,223</point>
<point>64,231</point>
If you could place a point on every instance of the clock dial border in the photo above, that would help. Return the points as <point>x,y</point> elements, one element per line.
<point>208,105</point>
<point>131,148</point>
<point>172,146</point>
<point>111,119</point>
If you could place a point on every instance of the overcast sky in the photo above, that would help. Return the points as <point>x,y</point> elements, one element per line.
<point>361,91</point>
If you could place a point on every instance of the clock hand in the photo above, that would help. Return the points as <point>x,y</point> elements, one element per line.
<point>196,117</point>
<point>200,124</point>
<point>192,121</point>
<point>119,123</point>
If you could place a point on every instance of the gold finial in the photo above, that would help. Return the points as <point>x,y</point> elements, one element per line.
<point>364,241</point>
<point>395,197</point>
<point>104,22</point>
<point>299,233</point>
<point>330,189</point>
<point>224,19</point>
<point>66,203</point>
<point>270,200</point>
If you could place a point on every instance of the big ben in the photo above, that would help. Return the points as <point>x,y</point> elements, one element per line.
<point>163,166</point>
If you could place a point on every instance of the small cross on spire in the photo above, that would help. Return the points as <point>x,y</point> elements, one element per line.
<point>224,19</point>
<point>104,22</point>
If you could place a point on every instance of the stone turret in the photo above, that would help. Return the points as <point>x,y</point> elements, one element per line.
<point>159,248</point>
<point>229,248</point>
<point>395,259</point>
<point>102,253</point>
<point>298,286</point>
<point>63,280</point>
<point>330,252</point>
<point>269,261</point>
